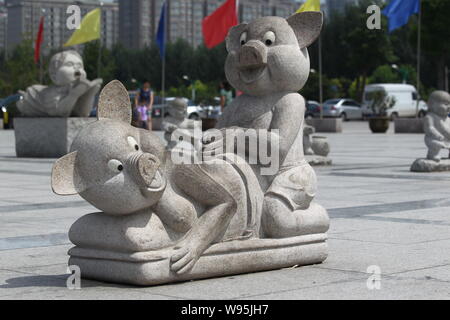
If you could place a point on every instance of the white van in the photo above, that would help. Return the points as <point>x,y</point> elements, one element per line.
<point>405,100</point>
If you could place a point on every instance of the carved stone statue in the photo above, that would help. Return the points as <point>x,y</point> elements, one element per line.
<point>437,134</point>
<point>315,148</point>
<point>178,121</point>
<point>268,61</point>
<point>149,202</point>
<point>71,95</point>
<point>230,210</point>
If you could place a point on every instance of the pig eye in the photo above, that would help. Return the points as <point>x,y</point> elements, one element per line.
<point>115,165</point>
<point>269,38</point>
<point>133,143</point>
<point>243,39</point>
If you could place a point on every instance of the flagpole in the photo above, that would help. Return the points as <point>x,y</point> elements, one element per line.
<point>41,70</point>
<point>163,71</point>
<point>418,56</point>
<point>320,77</point>
<point>41,67</point>
<point>99,58</point>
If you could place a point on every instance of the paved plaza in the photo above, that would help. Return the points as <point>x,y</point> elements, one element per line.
<point>383,217</point>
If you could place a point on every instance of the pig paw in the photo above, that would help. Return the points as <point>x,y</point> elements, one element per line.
<point>185,257</point>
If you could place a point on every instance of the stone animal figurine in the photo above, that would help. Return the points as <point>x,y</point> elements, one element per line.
<point>315,148</point>
<point>71,95</point>
<point>307,139</point>
<point>178,121</point>
<point>125,172</point>
<point>268,61</point>
<point>437,124</point>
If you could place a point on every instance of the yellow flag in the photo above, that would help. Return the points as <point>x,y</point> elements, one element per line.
<point>89,29</point>
<point>310,5</point>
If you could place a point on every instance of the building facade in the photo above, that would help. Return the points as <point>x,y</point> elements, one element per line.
<point>24,17</point>
<point>139,19</point>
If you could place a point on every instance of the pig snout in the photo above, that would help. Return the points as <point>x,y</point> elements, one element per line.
<point>143,167</point>
<point>253,54</point>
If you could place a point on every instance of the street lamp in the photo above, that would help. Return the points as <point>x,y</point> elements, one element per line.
<point>403,72</point>
<point>185,77</point>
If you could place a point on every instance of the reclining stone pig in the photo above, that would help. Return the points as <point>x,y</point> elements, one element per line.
<point>125,172</point>
<point>268,61</point>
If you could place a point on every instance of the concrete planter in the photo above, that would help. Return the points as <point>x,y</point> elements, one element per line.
<point>379,125</point>
<point>326,124</point>
<point>409,125</point>
<point>46,137</point>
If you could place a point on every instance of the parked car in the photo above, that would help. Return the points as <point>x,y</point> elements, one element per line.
<point>346,109</point>
<point>406,99</point>
<point>9,110</point>
<point>194,112</point>
<point>312,109</point>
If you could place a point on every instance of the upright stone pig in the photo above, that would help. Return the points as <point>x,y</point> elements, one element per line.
<point>268,61</point>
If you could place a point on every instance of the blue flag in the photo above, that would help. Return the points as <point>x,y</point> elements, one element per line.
<point>399,11</point>
<point>161,34</point>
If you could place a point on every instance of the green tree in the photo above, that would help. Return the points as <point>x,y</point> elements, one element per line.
<point>19,70</point>
<point>435,36</point>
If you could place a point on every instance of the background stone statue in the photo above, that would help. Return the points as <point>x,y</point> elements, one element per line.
<point>437,124</point>
<point>178,121</point>
<point>268,61</point>
<point>315,148</point>
<point>71,94</point>
<point>437,134</point>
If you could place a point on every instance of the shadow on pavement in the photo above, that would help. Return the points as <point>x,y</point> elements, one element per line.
<point>36,281</point>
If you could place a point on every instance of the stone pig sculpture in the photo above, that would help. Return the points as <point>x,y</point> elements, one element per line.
<point>268,61</point>
<point>437,124</point>
<point>124,171</point>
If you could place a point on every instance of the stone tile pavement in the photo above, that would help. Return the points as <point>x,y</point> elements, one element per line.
<point>382,215</point>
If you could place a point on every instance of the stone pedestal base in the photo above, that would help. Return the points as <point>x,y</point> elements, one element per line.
<point>425,165</point>
<point>46,137</point>
<point>222,259</point>
<point>326,124</point>
<point>315,160</point>
<point>409,125</point>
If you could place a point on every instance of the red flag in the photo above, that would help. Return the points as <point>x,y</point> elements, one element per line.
<point>37,46</point>
<point>215,26</point>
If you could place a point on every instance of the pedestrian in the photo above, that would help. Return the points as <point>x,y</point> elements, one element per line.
<point>144,101</point>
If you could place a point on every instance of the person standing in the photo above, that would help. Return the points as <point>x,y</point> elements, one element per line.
<point>144,101</point>
<point>226,95</point>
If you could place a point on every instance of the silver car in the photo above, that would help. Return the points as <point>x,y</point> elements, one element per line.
<point>346,109</point>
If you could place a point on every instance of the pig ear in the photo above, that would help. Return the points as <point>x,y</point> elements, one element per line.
<point>114,103</point>
<point>234,35</point>
<point>306,26</point>
<point>63,175</point>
